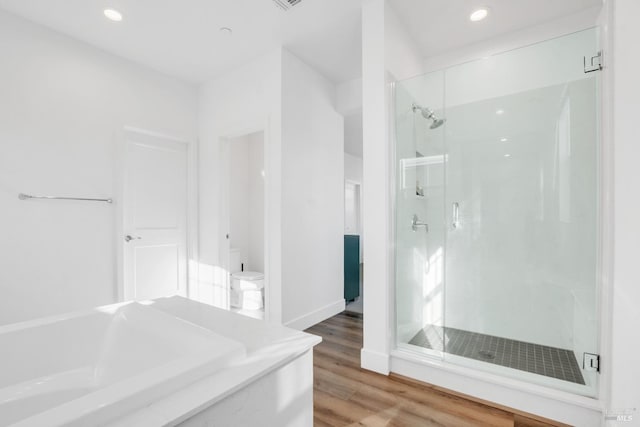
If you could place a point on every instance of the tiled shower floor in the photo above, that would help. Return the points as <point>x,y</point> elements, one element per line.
<point>539,359</point>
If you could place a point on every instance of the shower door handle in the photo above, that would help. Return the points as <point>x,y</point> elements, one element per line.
<point>456,215</point>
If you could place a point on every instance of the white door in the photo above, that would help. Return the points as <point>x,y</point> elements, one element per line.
<point>155,217</point>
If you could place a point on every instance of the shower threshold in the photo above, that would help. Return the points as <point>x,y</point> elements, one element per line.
<point>538,359</point>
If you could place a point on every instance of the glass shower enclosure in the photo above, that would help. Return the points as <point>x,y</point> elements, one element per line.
<point>497,214</point>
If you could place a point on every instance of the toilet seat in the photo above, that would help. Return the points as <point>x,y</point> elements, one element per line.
<point>248,275</point>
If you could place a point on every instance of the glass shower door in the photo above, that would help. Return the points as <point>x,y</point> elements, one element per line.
<point>497,214</point>
<point>522,215</point>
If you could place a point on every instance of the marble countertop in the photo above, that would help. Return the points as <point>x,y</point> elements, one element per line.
<point>269,346</point>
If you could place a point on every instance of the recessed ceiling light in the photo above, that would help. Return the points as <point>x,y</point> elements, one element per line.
<point>113,14</point>
<point>226,31</point>
<point>503,139</point>
<point>499,112</point>
<point>507,155</point>
<point>479,15</point>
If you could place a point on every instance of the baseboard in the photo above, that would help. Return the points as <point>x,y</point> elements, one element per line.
<point>308,320</point>
<point>374,361</point>
<point>553,405</point>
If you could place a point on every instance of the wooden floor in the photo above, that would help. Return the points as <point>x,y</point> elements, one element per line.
<point>346,395</point>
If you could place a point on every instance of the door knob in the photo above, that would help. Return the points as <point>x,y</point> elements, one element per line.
<point>129,238</point>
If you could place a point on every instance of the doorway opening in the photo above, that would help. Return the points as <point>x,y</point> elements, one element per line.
<point>353,212</point>
<point>245,213</point>
<point>352,247</point>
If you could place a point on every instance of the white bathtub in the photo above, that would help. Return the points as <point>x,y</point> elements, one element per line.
<point>91,367</point>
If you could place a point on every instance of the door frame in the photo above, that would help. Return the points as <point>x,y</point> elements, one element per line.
<point>121,184</point>
<point>225,139</point>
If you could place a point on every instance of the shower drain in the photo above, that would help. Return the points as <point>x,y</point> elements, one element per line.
<point>486,354</point>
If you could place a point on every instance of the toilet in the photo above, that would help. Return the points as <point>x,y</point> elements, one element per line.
<point>247,287</point>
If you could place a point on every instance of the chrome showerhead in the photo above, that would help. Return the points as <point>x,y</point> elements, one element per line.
<point>437,123</point>
<point>428,114</point>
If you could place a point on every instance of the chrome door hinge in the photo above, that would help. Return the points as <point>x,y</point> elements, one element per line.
<point>591,362</point>
<point>596,63</point>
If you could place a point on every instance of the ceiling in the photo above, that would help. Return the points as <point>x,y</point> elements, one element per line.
<point>442,25</point>
<point>183,38</point>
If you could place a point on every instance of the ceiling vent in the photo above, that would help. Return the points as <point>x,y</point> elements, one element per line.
<point>286,4</point>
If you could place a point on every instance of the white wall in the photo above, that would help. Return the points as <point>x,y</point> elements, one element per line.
<point>349,104</point>
<point>239,195</point>
<point>352,168</point>
<point>375,351</point>
<point>514,40</point>
<point>353,134</point>
<point>625,389</point>
<point>526,249</point>
<point>518,70</point>
<point>547,63</point>
<point>246,199</point>
<point>403,58</point>
<point>349,97</point>
<point>62,104</point>
<point>312,196</point>
<point>256,193</point>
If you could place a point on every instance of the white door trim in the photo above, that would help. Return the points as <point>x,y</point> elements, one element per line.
<point>192,206</point>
